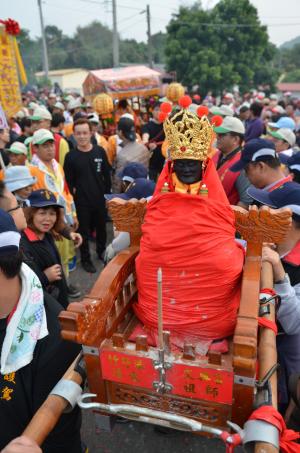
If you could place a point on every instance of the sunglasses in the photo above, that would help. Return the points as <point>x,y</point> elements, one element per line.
<point>21,204</point>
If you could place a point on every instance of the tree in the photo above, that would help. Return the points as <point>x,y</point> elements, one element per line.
<point>57,44</point>
<point>219,48</point>
<point>288,59</point>
<point>90,48</point>
<point>31,53</point>
<point>132,51</point>
<point>293,76</point>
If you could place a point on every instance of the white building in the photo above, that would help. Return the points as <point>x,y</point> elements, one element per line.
<point>67,79</point>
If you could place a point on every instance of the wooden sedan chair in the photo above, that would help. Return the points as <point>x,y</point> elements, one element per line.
<point>211,390</point>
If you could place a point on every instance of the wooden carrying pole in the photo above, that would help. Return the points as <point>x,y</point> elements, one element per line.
<point>267,352</point>
<point>47,416</point>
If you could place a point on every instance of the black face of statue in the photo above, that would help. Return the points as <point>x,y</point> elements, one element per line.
<point>188,171</point>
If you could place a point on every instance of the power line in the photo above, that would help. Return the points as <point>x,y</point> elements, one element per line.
<point>130,25</point>
<point>129,17</point>
<point>218,25</point>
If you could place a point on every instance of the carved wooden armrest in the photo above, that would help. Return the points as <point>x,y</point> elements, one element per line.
<point>100,312</point>
<point>256,226</point>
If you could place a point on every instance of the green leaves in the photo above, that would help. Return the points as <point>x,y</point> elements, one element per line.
<point>219,48</point>
<point>90,48</point>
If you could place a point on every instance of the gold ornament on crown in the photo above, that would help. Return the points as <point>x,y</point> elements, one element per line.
<point>174,91</point>
<point>189,136</point>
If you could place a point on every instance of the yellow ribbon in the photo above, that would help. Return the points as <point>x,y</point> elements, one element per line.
<point>22,72</point>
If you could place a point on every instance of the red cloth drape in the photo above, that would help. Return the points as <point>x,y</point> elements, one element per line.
<point>192,239</point>
<point>287,436</point>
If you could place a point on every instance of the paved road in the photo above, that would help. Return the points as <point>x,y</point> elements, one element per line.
<point>135,437</point>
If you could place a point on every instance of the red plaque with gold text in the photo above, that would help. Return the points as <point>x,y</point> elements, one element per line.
<point>192,381</point>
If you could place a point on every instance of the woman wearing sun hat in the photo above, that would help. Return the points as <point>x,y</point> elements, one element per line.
<point>19,181</point>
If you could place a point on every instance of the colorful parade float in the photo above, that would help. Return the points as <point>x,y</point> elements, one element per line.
<point>105,87</point>
<point>151,352</point>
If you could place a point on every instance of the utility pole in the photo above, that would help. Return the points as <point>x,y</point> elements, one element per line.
<point>150,60</point>
<point>116,62</point>
<point>45,52</point>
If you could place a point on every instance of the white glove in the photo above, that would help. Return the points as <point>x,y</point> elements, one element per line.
<point>109,253</point>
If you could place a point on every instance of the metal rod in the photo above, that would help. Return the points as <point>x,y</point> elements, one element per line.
<point>125,410</point>
<point>150,58</point>
<point>160,310</point>
<point>116,62</point>
<point>45,51</point>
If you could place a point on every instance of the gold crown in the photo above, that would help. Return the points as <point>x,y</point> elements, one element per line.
<point>188,136</point>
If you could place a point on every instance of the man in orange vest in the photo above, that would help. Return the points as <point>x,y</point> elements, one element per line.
<point>230,136</point>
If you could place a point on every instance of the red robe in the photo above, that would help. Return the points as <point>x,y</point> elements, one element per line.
<point>192,239</point>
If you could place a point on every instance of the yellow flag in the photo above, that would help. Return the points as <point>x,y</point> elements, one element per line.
<point>10,94</point>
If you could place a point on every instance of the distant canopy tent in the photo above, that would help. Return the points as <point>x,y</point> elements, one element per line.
<point>122,83</point>
<point>11,67</point>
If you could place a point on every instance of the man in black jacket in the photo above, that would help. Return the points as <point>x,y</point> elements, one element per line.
<point>87,173</point>
<point>34,359</point>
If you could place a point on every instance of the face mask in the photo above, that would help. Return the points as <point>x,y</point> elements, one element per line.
<point>188,171</point>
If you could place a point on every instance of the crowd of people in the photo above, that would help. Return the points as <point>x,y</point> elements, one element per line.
<point>58,171</point>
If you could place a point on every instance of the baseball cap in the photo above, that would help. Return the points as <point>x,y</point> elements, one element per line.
<point>41,113</point>
<point>278,109</point>
<point>225,110</point>
<point>285,196</point>
<point>285,122</point>
<point>28,140</point>
<point>284,134</point>
<point>74,104</point>
<point>68,98</point>
<point>293,162</point>
<point>79,115</point>
<point>20,114</point>
<point>42,136</point>
<point>132,171</point>
<point>127,115</point>
<point>140,188</point>
<point>228,96</point>
<point>93,118</point>
<point>9,235</point>
<point>215,110</point>
<point>126,126</point>
<point>52,95</point>
<point>17,177</point>
<point>230,124</point>
<point>254,151</point>
<point>59,105</point>
<point>42,198</point>
<point>17,148</point>
<point>33,105</point>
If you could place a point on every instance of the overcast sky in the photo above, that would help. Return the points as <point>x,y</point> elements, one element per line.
<point>281,16</point>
